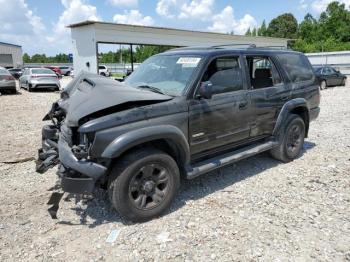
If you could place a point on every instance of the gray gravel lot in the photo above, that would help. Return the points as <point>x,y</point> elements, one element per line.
<point>257,209</point>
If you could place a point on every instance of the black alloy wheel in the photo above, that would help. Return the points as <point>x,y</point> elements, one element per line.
<point>149,186</point>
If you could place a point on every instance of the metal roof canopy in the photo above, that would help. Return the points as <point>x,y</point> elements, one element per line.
<point>88,34</point>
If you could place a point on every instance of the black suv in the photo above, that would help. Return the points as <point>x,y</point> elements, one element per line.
<point>184,113</point>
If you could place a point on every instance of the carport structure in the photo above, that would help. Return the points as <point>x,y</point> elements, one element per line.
<point>88,34</point>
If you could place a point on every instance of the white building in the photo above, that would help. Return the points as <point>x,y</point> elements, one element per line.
<point>340,60</point>
<point>87,35</point>
<point>10,55</point>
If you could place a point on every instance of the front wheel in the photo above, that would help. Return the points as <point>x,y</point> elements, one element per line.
<point>292,140</point>
<point>343,83</point>
<point>143,184</point>
<point>323,85</point>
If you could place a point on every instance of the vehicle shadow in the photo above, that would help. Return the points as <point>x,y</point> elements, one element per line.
<point>43,90</point>
<point>99,210</point>
<point>10,93</point>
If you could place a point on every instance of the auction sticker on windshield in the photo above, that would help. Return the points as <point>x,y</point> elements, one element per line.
<point>188,61</point>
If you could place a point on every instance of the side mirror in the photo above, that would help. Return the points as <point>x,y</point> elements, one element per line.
<point>206,90</point>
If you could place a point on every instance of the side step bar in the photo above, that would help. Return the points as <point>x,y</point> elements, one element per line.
<point>228,158</point>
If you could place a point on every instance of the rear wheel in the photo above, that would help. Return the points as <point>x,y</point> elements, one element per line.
<point>29,88</point>
<point>323,85</point>
<point>292,140</point>
<point>143,184</point>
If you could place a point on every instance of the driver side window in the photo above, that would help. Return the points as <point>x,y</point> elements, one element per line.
<point>225,75</point>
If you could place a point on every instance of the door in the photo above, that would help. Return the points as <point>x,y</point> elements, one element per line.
<point>268,93</point>
<point>337,80</point>
<point>223,119</point>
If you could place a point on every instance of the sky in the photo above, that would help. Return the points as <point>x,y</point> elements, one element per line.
<point>40,25</point>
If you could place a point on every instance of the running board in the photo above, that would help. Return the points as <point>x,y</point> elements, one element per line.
<point>228,158</point>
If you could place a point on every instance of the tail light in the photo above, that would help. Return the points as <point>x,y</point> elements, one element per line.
<point>9,78</point>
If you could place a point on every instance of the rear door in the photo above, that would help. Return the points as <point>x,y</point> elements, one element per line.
<point>268,93</point>
<point>223,119</point>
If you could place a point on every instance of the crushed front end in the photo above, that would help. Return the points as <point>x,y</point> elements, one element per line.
<point>64,146</point>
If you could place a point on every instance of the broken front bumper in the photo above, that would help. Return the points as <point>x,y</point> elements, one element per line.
<point>77,175</point>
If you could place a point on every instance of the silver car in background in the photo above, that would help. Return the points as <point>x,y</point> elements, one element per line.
<point>7,81</point>
<point>66,70</point>
<point>35,78</point>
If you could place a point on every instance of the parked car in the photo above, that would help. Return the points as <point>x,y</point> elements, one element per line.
<point>56,69</point>
<point>329,76</point>
<point>66,70</point>
<point>16,72</point>
<point>103,70</point>
<point>38,78</point>
<point>184,113</point>
<point>7,81</point>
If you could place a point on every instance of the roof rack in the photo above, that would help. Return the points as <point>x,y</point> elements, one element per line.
<point>248,45</point>
<point>272,47</point>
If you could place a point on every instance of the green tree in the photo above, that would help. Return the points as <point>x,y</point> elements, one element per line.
<point>26,58</point>
<point>254,32</point>
<point>249,32</point>
<point>284,26</point>
<point>335,22</point>
<point>262,31</point>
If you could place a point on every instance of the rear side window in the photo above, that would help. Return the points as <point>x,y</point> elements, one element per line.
<point>297,67</point>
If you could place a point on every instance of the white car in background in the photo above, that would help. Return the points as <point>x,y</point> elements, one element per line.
<point>35,78</point>
<point>103,70</point>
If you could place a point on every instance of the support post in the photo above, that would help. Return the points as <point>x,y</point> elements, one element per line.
<point>132,59</point>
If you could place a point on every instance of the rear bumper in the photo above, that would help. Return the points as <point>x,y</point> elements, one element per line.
<point>314,113</point>
<point>77,176</point>
<point>42,84</point>
<point>8,86</point>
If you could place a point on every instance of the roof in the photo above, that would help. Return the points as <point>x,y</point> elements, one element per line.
<point>90,22</point>
<point>3,43</point>
<point>219,50</point>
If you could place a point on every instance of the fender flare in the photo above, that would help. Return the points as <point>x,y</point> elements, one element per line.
<point>147,134</point>
<point>285,111</point>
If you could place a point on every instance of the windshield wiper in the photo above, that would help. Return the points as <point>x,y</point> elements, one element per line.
<point>152,88</point>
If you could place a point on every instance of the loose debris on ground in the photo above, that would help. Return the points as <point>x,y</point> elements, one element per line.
<point>257,209</point>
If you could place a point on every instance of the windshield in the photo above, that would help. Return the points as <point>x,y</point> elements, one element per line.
<point>3,72</point>
<point>169,73</point>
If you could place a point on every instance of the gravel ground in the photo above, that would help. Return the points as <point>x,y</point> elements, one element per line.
<point>257,209</point>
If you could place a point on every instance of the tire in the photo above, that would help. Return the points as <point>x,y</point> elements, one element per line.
<point>143,184</point>
<point>68,73</point>
<point>343,83</point>
<point>29,88</point>
<point>103,74</point>
<point>291,140</point>
<point>323,85</point>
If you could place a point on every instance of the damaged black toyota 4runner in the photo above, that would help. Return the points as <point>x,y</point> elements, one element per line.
<point>184,112</point>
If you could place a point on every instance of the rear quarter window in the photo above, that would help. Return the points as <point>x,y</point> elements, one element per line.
<point>297,67</point>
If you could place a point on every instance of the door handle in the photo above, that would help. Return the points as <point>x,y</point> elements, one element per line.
<point>284,98</point>
<point>243,105</point>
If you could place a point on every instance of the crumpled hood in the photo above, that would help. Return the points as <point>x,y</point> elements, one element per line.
<point>97,93</point>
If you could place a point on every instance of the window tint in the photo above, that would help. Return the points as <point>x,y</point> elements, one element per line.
<point>263,72</point>
<point>225,74</point>
<point>297,67</point>
<point>101,67</point>
<point>42,71</point>
<point>332,70</point>
<point>4,72</point>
